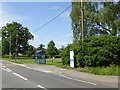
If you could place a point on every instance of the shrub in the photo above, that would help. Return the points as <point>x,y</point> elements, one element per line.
<point>94,51</point>
<point>65,55</point>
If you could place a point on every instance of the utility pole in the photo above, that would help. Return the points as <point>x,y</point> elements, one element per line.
<point>82,25</point>
<point>16,49</point>
<point>82,17</point>
<point>10,46</point>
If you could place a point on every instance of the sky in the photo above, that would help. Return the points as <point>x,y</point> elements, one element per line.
<point>34,15</point>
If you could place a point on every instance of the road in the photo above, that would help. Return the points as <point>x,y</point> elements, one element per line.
<point>15,76</point>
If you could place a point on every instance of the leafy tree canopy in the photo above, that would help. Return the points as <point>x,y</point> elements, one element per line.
<point>16,37</point>
<point>51,49</point>
<point>99,19</point>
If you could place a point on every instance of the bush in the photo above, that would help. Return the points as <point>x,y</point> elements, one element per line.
<point>94,51</point>
<point>66,56</point>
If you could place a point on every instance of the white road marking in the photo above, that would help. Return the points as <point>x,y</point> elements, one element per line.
<point>20,76</point>
<point>6,70</point>
<point>40,86</point>
<point>3,66</point>
<point>78,80</point>
<point>47,71</point>
<point>28,67</point>
<point>91,83</point>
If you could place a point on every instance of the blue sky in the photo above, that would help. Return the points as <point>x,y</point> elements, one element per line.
<point>35,14</point>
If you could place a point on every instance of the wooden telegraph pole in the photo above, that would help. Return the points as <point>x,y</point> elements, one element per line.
<point>82,21</point>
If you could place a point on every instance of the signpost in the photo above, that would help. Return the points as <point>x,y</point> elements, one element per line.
<point>72,59</point>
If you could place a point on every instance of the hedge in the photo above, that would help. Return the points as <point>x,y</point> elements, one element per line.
<point>94,51</point>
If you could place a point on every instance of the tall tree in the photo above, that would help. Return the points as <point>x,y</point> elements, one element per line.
<point>99,19</point>
<point>51,49</point>
<point>108,18</point>
<point>89,10</point>
<point>16,37</point>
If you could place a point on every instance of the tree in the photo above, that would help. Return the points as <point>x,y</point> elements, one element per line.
<point>30,51</point>
<point>108,17</point>
<point>16,37</point>
<point>51,49</point>
<point>99,19</point>
<point>41,47</point>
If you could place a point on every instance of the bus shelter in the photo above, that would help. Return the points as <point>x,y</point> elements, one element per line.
<point>40,57</point>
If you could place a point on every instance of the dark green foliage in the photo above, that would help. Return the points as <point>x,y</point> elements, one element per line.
<point>30,51</point>
<point>65,55</point>
<point>95,51</point>
<point>99,18</point>
<point>41,47</point>
<point>16,35</point>
<point>51,49</point>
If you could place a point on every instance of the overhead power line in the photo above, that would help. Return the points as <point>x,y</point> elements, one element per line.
<point>52,19</point>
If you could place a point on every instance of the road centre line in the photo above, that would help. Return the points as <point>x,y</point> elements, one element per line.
<point>20,76</point>
<point>78,80</point>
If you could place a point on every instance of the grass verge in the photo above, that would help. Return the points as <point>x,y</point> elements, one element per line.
<point>21,60</point>
<point>112,70</point>
<point>56,63</point>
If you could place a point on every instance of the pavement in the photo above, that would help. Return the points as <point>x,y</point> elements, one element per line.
<point>108,80</point>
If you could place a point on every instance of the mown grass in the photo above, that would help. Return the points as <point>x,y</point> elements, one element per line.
<point>53,62</point>
<point>57,63</point>
<point>112,70</point>
<point>23,61</point>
